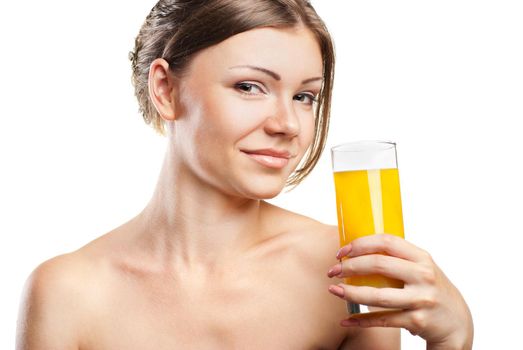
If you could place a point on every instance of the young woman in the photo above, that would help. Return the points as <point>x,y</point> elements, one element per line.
<point>242,91</point>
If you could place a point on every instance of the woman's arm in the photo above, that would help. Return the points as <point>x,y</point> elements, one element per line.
<point>48,312</point>
<point>433,308</point>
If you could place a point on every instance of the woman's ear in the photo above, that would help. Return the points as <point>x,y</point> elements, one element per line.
<point>162,89</point>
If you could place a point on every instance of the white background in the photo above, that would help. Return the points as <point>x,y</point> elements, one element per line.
<point>443,79</point>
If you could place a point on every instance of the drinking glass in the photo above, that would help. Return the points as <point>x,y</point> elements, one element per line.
<point>368,201</point>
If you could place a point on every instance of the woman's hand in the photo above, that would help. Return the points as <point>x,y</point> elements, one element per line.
<point>431,305</point>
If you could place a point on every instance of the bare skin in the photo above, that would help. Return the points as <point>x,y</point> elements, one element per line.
<point>114,294</point>
<point>208,263</point>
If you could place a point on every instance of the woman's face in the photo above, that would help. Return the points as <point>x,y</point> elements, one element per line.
<point>245,113</point>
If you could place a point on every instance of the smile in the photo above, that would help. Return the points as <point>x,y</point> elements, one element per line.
<point>269,158</point>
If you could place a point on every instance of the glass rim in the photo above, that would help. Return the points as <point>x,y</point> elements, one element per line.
<point>364,146</point>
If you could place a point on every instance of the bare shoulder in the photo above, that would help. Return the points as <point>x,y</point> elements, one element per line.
<point>308,231</point>
<point>311,243</point>
<point>65,270</point>
<point>50,311</point>
<point>57,299</point>
<point>293,220</point>
<point>317,244</point>
<point>67,277</point>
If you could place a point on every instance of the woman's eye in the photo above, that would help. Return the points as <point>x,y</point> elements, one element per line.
<point>307,98</point>
<point>248,88</point>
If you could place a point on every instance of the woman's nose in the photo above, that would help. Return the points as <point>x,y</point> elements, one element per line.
<point>283,120</point>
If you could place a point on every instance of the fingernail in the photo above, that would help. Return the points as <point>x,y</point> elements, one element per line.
<point>344,251</point>
<point>349,322</point>
<point>334,271</point>
<point>337,290</point>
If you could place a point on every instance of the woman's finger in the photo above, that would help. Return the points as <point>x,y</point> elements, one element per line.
<point>388,244</point>
<point>390,298</point>
<point>379,264</point>
<point>413,321</point>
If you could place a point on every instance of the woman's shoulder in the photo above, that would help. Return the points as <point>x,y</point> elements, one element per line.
<point>71,276</point>
<point>293,221</point>
<point>309,235</point>
<point>62,277</point>
<point>55,299</point>
<point>60,270</point>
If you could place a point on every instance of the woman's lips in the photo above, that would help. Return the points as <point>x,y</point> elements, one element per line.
<point>269,158</point>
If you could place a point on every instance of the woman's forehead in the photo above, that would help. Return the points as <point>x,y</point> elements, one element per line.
<point>289,51</point>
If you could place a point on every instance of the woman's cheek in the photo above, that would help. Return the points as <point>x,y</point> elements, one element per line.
<point>247,115</point>
<point>307,130</point>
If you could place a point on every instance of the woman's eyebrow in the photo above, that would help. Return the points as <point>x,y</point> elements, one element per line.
<point>272,74</point>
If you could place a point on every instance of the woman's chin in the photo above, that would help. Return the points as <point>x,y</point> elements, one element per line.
<point>263,189</point>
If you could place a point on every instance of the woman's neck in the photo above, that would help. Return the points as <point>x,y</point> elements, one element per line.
<point>190,222</point>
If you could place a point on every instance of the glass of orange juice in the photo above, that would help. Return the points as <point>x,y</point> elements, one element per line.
<point>368,200</point>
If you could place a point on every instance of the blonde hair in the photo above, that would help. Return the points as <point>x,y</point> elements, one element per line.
<point>177,29</point>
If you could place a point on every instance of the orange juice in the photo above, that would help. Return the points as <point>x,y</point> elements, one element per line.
<point>368,202</point>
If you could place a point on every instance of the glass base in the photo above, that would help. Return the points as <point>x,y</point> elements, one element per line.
<point>353,308</point>
<point>364,311</point>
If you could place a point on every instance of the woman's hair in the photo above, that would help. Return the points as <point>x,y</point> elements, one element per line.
<point>176,30</point>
